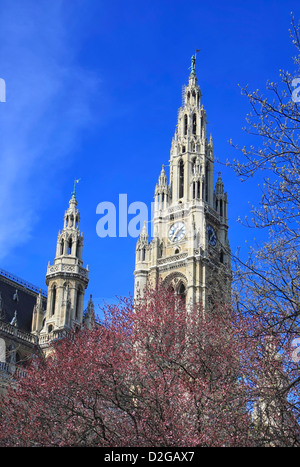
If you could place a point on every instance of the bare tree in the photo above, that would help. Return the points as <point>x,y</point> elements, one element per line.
<point>267,283</point>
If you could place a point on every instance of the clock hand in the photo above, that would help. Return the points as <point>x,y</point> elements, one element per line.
<point>176,232</point>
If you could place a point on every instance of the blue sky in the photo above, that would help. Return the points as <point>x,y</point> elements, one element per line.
<point>92,92</point>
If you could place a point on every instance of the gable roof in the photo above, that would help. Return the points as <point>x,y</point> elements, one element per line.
<point>18,296</point>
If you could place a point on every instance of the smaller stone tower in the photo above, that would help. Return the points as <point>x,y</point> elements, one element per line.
<point>66,279</point>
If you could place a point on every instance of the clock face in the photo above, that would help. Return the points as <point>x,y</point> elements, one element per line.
<point>177,232</point>
<point>212,236</point>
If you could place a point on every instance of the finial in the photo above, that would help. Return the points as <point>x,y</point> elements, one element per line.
<point>91,304</point>
<point>74,190</point>
<point>193,62</point>
<point>144,231</point>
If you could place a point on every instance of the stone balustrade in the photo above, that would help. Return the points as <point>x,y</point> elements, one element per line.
<point>11,330</point>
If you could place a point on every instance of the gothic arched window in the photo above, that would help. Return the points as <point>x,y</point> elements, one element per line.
<point>194,124</point>
<point>53,300</point>
<point>78,302</point>
<point>70,246</point>
<point>185,124</point>
<point>181,291</point>
<point>181,179</point>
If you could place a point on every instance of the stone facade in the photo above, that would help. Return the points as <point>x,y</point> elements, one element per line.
<point>18,298</point>
<point>189,250</point>
<point>30,319</point>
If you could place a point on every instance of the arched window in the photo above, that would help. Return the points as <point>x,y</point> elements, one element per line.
<point>53,300</point>
<point>182,291</point>
<point>181,179</point>
<point>78,303</point>
<point>185,124</point>
<point>70,246</point>
<point>194,124</point>
<point>193,165</point>
<point>198,190</point>
<point>62,246</point>
<point>222,257</point>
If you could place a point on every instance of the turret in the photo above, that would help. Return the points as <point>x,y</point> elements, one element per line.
<point>66,279</point>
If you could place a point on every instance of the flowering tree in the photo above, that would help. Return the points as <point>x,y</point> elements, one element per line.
<point>154,373</point>
<point>267,284</point>
<point>77,396</point>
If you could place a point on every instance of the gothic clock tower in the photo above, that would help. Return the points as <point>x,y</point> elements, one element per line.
<point>189,250</point>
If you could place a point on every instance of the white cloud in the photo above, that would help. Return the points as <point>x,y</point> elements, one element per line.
<point>48,99</point>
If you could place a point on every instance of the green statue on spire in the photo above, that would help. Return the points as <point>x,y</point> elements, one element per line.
<point>193,62</point>
<point>74,190</point>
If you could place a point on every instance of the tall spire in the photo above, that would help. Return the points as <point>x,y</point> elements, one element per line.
<point>189,207</point>
<point>67,279</point>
